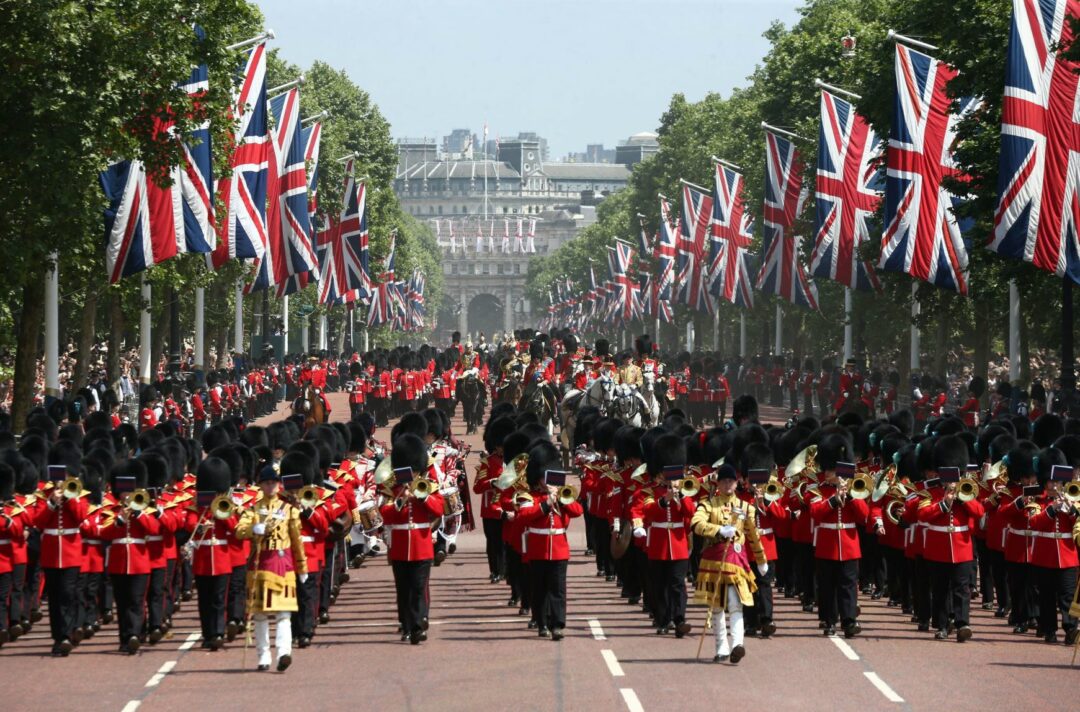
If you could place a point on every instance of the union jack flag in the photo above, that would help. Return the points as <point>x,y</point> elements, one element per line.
<point>735,262</point>
<point>666,252</point>
<point>354,235</point>
<point>414,320</point>
<point>922,237</point>
<point>846,195</point>
<point>288,227</point>
<point>380,309</point>
<point>147,224</point>
<point>627,297</point>
<point>242,231</point>
<point>530,241</point>
<point>692,281</point>
<point>644,240</point>
<point>781,272</point>
<point>1038,215</point>
<point>731,227</point>
<point>648,294</point>
<point>331,272</point>
<point>519,245</point>
<point>311,138</point>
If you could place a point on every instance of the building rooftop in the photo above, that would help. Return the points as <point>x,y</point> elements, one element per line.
<point>586,171</point>
<point>463,169</point>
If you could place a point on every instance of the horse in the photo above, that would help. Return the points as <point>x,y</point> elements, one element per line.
<point>600,393</point>
<point>470,392</point>
<point>538,399</point>
<point>654,400</point>
<point>310,405</point>
<point>510,390</point>
<point>629,407</point>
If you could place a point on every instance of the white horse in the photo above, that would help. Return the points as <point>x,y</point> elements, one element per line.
<point>648,395</point>
<point>599,393</point>
<point>630,408</point>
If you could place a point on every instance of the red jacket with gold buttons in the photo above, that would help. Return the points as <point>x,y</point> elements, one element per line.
<point>409,528</point>
<point>1052,542</point>
<point>545,523</point>
<point>128,549</point>
<point>836,526</point>
<point>666,525</point>
<point>947,531</point>
<point>61,541</point>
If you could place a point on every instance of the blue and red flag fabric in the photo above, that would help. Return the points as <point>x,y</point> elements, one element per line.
<point>691,276</point>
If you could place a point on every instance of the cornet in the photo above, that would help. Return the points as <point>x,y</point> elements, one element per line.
<point>421,489</point>
<point>861,487</point>
<point>72,487</point>
<point>138,500</point>
<point>1071,491</point>
<point>967,489</point>
<point>773,490</point>
<point>688,487</point>
<point>567,495</point>
<point>222,506</point>
<point>309,497</point>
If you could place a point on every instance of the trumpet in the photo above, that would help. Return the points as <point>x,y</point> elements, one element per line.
<point>967,489</point>
<point>222,506</point>
<point>861,487</point>
<point>567,495</point>
<point>138,500</point>
<point>1071,491</point>
<point>773,490</point>
<point>72,487</point>
<point>688,487</point>
<point>308,497</point>
<point>421,489</point>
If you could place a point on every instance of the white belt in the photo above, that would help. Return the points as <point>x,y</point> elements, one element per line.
<point>91,542</point>
<point>1019,532</point>
<point>947,530</point>
<point>212,542</point>
<point>5,542</point>
<point>59,532</point>
<point>411,525</point>
<point>835,525</point>
<point>546,532</point>
<point>308,539</point>
<point>666,525</point>
<point>155,538</point>
<point>763,532</point>
<point>129,540</point>
<point>1044,535</point>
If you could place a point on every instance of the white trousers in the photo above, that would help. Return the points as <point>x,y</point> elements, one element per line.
<point>282,636</point>
<point>720,620</point>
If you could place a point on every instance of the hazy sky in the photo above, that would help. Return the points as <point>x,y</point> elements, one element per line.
<point>574,71</point>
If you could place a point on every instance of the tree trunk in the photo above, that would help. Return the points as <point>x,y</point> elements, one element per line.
<point>1025,346</point>
<point>159,329</point>
<point>28,334</point>
<point>86,336</point>
<point>940,344</point>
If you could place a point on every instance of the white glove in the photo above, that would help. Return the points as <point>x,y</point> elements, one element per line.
<point>303,578</point>
<point>727,531</point>
<point>763,569</point>
<point>259,529</point>
<point>639,532</point>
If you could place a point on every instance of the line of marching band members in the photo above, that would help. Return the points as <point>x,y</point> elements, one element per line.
<point>820,512</point>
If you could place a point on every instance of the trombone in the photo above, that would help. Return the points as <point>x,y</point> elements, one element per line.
<point>568,494</point>
<point>688,487</point>
<point>71,487</point>
<point>308,497</point>
<point>421,489</point>
<point>967,489</point>
<point>861,486</point>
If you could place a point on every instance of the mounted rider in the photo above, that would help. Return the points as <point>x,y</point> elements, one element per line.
<point>540,373</point>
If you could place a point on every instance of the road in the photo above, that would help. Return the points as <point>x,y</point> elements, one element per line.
<point>480,655</point>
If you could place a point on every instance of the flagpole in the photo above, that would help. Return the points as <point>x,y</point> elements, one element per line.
<point>742,334</point>
<point>916,335</point>
<point>284,325</point>
<point>716,330</point>
<point>657,339</point>
<point>144,333</point>
<point>1014,332</point>
<point>352,330</point>
<point>52,329</point>
<point>848,332</point>
<point>200,334</point>
<point>779,330</point>
<point>322,331</point>
<point>238,319</point>
<point>304,334</point>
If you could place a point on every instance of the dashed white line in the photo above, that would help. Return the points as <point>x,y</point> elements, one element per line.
<point>164,670</point>
<point>613,665</point>
<point>190,642</point>
<point>882,687</point>
<point>630,698</point>
<point>597,631</point>
<point>846,649</point>
<point>131,706</point>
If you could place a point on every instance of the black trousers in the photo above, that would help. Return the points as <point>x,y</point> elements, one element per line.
<point>326,578</point>
<point>838,588</point>
<point>212,591</point>
<point>921,590</point>
<point>61,586</point>
<point>805,570</point>
<point>155,598</point>
<point>171,589</point>
<point>761,612</point>
<point>410,582</point>
<point>986,575</point>
<point>636,573</point>
<point>997,573</point>
<point>548,580</point>
<point>896,570</point>
<point>130,593</point>
<point>785,565</point>
<point>1056,587</point>
<point>602,546</point>
<point>307,598</point>
<point>493,538</point>
<point>1025,605</point>
<point>669,578</point>
<point>872,565</point>
<point>951,586</point>
<point>589,543</point>
<point>20,599</point>
<point>236,603</point>
<point>517,575</point>
<point>91,589</point>
<point>5,597</point>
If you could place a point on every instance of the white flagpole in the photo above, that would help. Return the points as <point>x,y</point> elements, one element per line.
<point>779,330</point>
<point>238,320</point>
<point>284,326</point>
<point>742,334</point>
<point>848,330</point>
<point>52,329</point>
<point>690,335</point>
<point>304,334</point>
<point>144,333</point>
<point>916,335</point>
<point>200,331</point>
<point>716,330</point>
<point>1014,332</point>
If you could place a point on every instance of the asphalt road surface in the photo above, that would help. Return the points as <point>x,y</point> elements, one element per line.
<point>481,656</point>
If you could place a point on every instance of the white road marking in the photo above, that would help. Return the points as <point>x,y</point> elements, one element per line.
<point>131,706</point>
<point>630,698</point>
<point>846,649</point>
<point>597,631</point>
<point>613,665</point>
<point>190,642</point>
<point>164,670</point>
<point>882,687</point>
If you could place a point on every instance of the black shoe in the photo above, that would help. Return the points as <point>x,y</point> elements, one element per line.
<point>303,641</point>
<point>681,629</point>
<point>356,561</point>
<point>609,578</point>
<point>737,654</point>
<point>532,625</point>
<point>263,668</point>
<point>404,637</point>
<point>808,608</point>
<point>76,636</point>
<point>876,595</point>
<point>65,647</point>
<point>522,611</point>
<point>852,629</point>
<point>440,556</point>
<point>512,602</point>
<point>16,630</point>
<point>424,623</point>
<point>451,549</point>
<point>217,643</point>
<point>414,638</point>
<point>57,652</point>
<point>941,635</point>
<point>155,635</point>
<point>906,610</point>
<point>719,658</point>
<point>35,616</point>
<point>422,634</point>
<point>634,600</point>
<point>324,617</point>
<point>1050,638</point>
<point>830,630</point>
<point>133,644</point>
<point>988,606</point>
<point>767,629</point>
<point>1071,635</point>
<point>185,596</point>
<point>924,627</point>
<point>590,552</point>
<point>231,629</point>
<point>544,633</point>
<point>1000,612</point>
<point>1020,629</point>
<point>599,574</point>
<point>963,634</point>
<point>557,634</point>
<point>284,662</point>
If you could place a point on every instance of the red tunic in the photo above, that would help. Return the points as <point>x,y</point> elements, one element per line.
<point>409,528</point>
<point>836,535</point>
<point>545,528</point>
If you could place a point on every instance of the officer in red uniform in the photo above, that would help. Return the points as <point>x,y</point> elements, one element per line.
<point>1053,547</point>
<point>756,468</point>
<point>806,384</point>
<point>491,511</point>
<point>969,411</point>
<point>407,520</point>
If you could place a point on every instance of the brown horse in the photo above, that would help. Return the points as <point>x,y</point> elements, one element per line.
<point>310,405</point>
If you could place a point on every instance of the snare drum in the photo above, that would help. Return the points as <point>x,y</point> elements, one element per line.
<point>369,515</point>
<point>452,503</point>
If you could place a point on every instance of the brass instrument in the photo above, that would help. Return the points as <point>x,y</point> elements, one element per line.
<point>384,475</point>
<point>894,510</point>
<point>640,473</point>
<point>773,490</point>
<point>222,507</point>
<point>1071,491</point>
<point>421,489</point>
<point>523,498</point>
<point>567,495</point>
<point>138,500</point>
<point>688,487</point>
<point>507,478</point>
<point>308,497</point>
<point>967,489</point>
<point>883,482</point>
<point>861,486</point>
<point>72,487</point>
